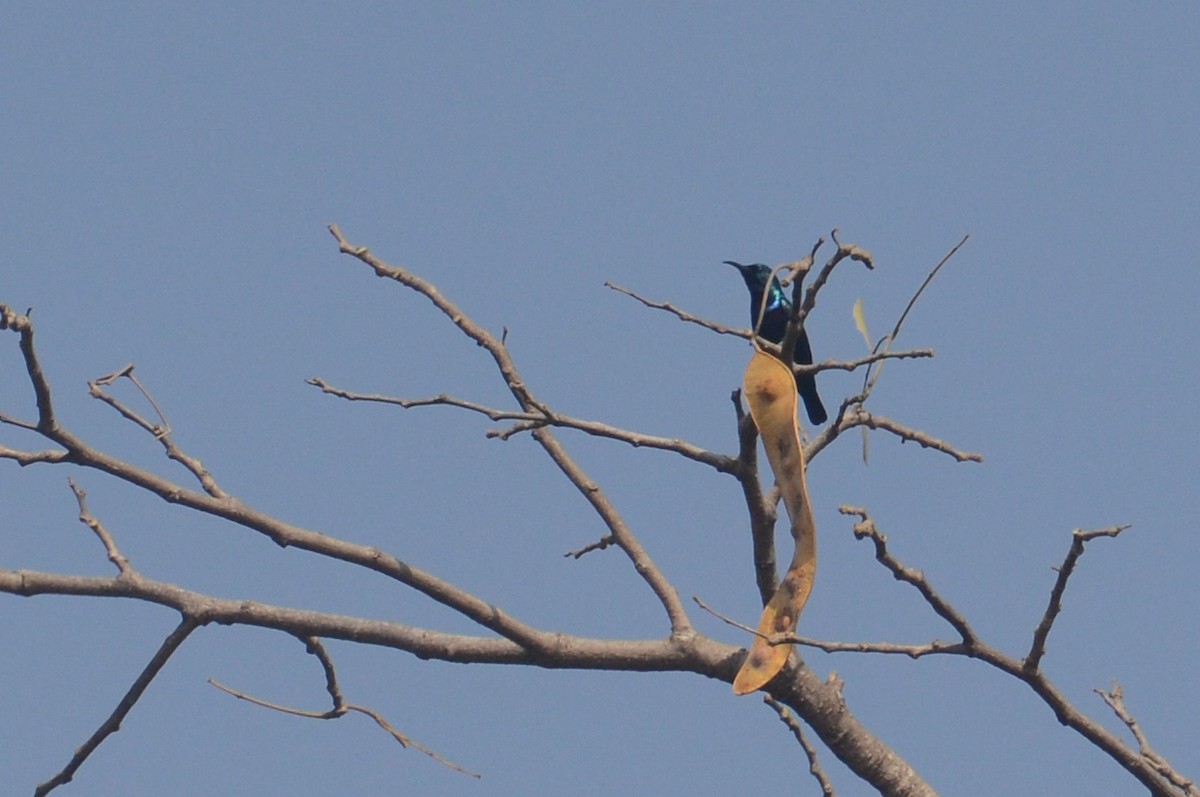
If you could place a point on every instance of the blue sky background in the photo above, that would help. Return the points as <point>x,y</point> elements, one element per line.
<point>168,173</point>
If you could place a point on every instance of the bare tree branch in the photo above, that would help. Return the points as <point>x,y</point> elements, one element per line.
<point>561,651</point>
<point>599,545</point>
<point>591,491</point>
<point>853,365</point>
<point>818,704</point>
<point>871,378</point>
<point>928,279</point>
<point>802,306</point>
<point>286,534</point>
<point>110,545</point>
<point>682,315</point>
<point>1115,699</point>
<point>24,458</point>
<point>850,415</point>
<point>814,766</point>
<point>21,324</point>
<point>159,431</point>
<point>865,529</point>
<point>972,647</point>
<point>527,421</point>
<point>113,723</point>
<point>763,509</point>
<point>1037,648</point>
<point>341,707</point>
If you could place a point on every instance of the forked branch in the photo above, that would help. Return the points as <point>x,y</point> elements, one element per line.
<point>589,489</point>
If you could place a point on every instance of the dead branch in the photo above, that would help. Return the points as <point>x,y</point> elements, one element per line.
<point>528,421</point>
<point>160,431</point>
<point>131,697</point>
<point>340,707</point>
<point>1115,700</point>
<point>1079,537</point>
<point>590,490</point>
<point>810,752</point>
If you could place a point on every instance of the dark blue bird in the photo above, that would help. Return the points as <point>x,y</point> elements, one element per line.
<point>774,325</point>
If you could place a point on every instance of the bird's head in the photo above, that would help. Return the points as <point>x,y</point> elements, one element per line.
<point>755,274</point>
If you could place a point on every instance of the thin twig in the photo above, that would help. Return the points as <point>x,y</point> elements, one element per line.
<point>793,725</point>
<point>110,545</point>
<point>731,622</point>
<point>801,308</point>
<point>345,708</point>
<point>682,315</point>
<point>855,364</point>
<point>528,421</point>
<point>1115,699</point>
<point>851,415</point>
<point>314,646</point>
<point>10,319</point>
<point>928,279</point>
<point>160,431</point>
<point>340,706</point>
<point>865,528</point>
<point>10,420</point>
<point>871,377</point>
<point>886,648</point>
<point>442,399</point>
<point>599,545</point>
<point>113,723</point>
<point>163,427</point>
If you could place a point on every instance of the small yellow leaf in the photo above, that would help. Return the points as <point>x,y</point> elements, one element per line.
<point>860,321</point>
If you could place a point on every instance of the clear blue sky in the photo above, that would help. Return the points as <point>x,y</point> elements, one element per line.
<point>168,173</point>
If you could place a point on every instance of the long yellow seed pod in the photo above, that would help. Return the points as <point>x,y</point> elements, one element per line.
<point>770,389</point>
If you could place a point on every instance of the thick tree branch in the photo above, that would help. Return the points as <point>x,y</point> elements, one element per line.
<point>763,511</point>
<point>822,707</point>
<point>560,651</point>
<point>283,534</point>
<point>818,704</point>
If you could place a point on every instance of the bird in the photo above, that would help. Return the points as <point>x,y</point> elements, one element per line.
<point>774,325</point>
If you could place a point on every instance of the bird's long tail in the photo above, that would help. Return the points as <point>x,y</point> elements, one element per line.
<point>806,386</point>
